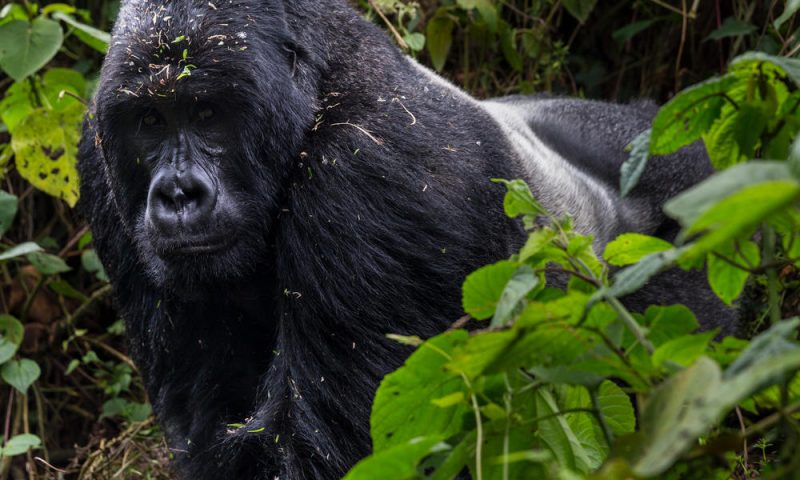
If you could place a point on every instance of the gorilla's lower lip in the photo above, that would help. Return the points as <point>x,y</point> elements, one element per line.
<point>199,248</point>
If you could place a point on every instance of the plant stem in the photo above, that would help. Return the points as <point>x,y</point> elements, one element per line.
<point>631,323</point>
<point>768,239</point>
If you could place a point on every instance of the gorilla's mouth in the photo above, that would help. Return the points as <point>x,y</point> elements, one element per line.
<point>193,247</point>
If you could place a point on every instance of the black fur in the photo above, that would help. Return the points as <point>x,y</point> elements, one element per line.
<point>354,199</point>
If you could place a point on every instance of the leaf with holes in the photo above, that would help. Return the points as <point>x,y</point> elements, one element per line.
<point>45,145</point>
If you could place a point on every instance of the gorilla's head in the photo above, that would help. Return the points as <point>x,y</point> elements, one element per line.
<point>198,129</point>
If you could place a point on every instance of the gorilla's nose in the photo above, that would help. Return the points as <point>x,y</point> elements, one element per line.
<point>181,199</point>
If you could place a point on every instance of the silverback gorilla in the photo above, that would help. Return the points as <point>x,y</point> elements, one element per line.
<point>273,187</point>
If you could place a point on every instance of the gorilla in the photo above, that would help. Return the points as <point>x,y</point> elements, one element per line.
<point>273,187</point>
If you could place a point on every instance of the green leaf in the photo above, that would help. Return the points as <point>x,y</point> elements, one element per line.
<point>580,9</point>
<point>674,416</point>
<point>559,436</point>
<point>616,407</point>
<point>19,444</point>
<point>8,210</point>
<point>508,44</point>
<point>629,31</point>
<point>401,460</point>
<point>415,41</point>
<point>692,203</point>
<point>634,277</point>
<point>633,168</point>
<point>791,8</point>
<point>734,136</point>
<point>751,61</point>
<point>440,38</point>
<point>683,350</point>
<point>402,409</point>
<point>732,27</point>
<point>484,287</point>
<point>91,263</point>
<point>630,248</point>
<point>689,403</point>
<point>740,213</point>
<point>45,145</point>
<point>48,264</point>
<point>519,200</point>
<point>727,280</point>
<point>20,250</point>
<point>20,374</point>
<point>682,120</point>
<point>91,36</point>
<point>521,283</point>
<point>26,47</point>
<point>11,334</point>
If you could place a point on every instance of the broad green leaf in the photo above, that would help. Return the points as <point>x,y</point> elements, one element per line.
<point>25,47</point>
<point>633,168</point>
<point>740,213</point>
<point>91,36</point>
<point>692,203</point>
<point>8,210</point>
<point>45,145</point>
<point>519,200</point>
<point>665,323</point>
<point>683,350</point>
<point>20,250</point>
<point>484,287</point>
<point>522,282</point>
<point>401,460</point>
<point>727,280</point>
<point>17,104</point>
<point>775,342</point>
<point>634,277</point>
<point>687,116</point>
<point>750,62</point>
<point>790,9</point>
<point>440,38</point>
<point>616,407</point>
<point>11,334</point>
<point>733,137</point>
<point>674,416</point>
<point>557,434</point>
<point>537,240</point>
<point>19,444</point>
<point>415,41</point>
<point>20,374</point>
<point>732,27</point>
<point>48,264</point>
<point>402,409</point>
<point>630,248</point>
<point>580,9</point>
<point>689,403</point>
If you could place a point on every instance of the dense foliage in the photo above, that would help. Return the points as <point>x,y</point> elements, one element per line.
<point>554,382</point>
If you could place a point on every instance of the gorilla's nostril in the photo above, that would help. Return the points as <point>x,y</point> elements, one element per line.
<point>180,199</point>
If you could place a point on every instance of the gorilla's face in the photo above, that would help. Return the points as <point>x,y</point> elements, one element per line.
<point>198,138</point>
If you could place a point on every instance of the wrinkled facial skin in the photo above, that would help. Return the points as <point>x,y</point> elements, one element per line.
<point>198,163</point>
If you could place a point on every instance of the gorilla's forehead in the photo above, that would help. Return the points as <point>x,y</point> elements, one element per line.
<point>157,45</point>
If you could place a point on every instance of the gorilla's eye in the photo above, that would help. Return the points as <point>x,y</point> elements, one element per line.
<point>152,118</point>
<point>205,114</point>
